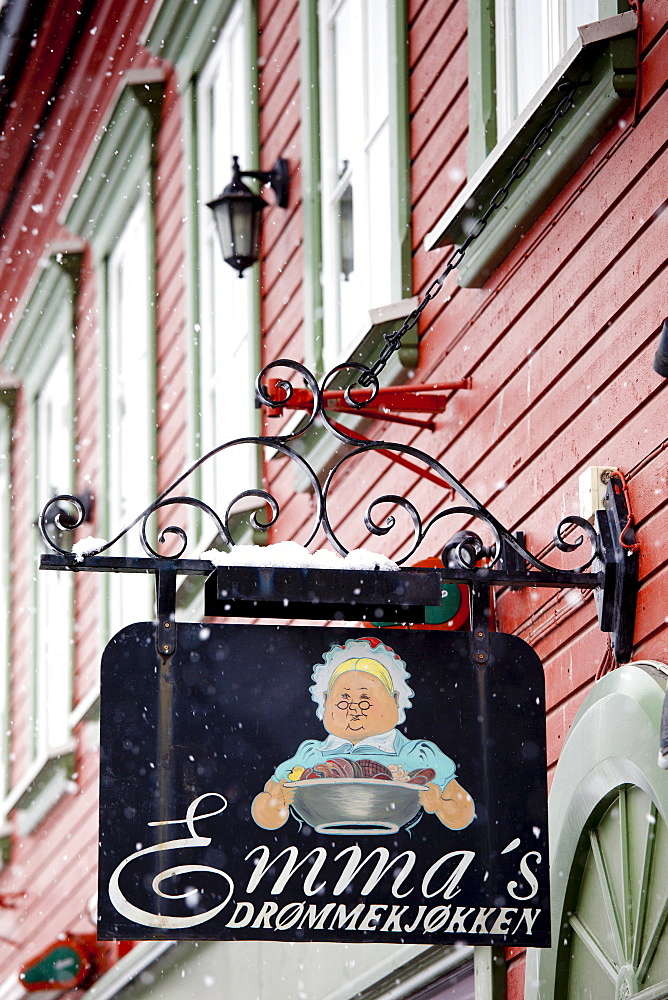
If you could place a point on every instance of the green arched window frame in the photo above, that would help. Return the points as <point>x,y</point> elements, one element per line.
<point>609,844</point>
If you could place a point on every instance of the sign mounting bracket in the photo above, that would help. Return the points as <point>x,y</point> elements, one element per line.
<point>165,630</point>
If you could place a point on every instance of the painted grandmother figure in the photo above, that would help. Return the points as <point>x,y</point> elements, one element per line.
<point>362,694</point>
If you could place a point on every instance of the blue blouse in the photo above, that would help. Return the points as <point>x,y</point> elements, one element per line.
<point>387,748</point>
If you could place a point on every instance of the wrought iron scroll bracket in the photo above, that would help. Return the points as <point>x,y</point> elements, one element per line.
<point>611,571</point>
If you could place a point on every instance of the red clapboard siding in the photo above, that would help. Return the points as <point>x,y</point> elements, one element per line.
<point>431,66</point>
<point>654,18</point>
<point>171,313</point>
<point>276,54</point>
<point>436,181</point>
<point>283,233</point>
<point>653,72</point>
<point>282,261</point>
<point>515,976</point>
<point>59,20</point>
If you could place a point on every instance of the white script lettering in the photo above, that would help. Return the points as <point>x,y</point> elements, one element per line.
<point>145,917</point>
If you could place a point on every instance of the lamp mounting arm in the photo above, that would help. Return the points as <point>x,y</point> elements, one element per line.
<point>278,178</point>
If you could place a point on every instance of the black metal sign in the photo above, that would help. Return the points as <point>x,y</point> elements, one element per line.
<point>322,784</point>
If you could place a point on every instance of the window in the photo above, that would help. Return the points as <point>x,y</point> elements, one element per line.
<point>113,211</point>
<point>531,38</point>
<point>362,228</point>
<point>130,443</point>
<point>228,352</point>
<point>39,356</point>
<point>52,693</point>
<point>509,88</point>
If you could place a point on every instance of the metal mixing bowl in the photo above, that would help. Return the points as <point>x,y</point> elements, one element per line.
<point>355,806</point>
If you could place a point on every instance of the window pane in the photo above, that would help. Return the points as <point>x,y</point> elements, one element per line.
<point>348,96</point>
<point>380,219</point>
<point>358,160</point>
<point>577,13</point>
<point>377,64</point>
<point>530,39</point>
<point>227,357</point>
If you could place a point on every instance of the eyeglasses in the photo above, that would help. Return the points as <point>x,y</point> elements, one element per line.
<point>363,705</point>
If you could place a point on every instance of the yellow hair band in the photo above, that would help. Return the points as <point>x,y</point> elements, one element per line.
<point>367,666</point>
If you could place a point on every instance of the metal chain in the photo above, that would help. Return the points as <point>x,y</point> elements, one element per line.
<point>393,339</point>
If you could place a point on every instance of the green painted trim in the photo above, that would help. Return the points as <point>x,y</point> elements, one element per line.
<point>482,82</point>
<point>38,338</point>
<point>608,8</point>
<point>120,171</point>
<point>184,32</point>
<point>400,118</point>
<point>613,741</point>
<point>311,179</point>
<point>607,71</point>
<point>194,304</point>
<point>119,168</point>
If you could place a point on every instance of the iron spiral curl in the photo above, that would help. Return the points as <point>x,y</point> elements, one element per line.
<point>465,550</point>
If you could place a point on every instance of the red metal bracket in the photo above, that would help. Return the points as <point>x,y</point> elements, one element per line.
<point>390,402</point>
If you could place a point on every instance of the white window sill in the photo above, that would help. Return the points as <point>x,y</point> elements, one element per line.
<point>46,781</point>
<point>375,323</point>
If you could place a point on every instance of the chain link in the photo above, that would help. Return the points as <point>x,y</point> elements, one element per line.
<point>393,340</point>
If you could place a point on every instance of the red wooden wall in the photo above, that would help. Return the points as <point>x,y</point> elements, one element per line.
<point>52,876</point>
<point>559,344</point>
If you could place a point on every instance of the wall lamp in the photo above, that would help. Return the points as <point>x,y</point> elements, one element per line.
<point>238,212</point>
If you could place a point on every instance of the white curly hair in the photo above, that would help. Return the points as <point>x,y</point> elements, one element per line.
<point>370,648</point>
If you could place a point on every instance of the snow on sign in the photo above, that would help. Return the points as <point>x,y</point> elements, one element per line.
<point>322,784</point>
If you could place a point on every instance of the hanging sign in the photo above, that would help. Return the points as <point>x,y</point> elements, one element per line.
<point>322,784</point>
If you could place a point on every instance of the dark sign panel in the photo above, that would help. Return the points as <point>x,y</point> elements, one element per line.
<point>322,784</point>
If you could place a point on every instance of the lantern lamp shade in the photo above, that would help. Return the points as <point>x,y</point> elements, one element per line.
<point>238,214</point>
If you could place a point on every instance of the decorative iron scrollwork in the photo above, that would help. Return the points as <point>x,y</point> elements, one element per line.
<point>458,557</point>
<point>465,557</point>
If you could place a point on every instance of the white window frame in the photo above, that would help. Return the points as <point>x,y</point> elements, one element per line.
<point>5,587</point>
<point>54,637</point>
<point>545,44</point>
<point>130,389</point>
<point>376,280</point>
<point>228,327</point>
